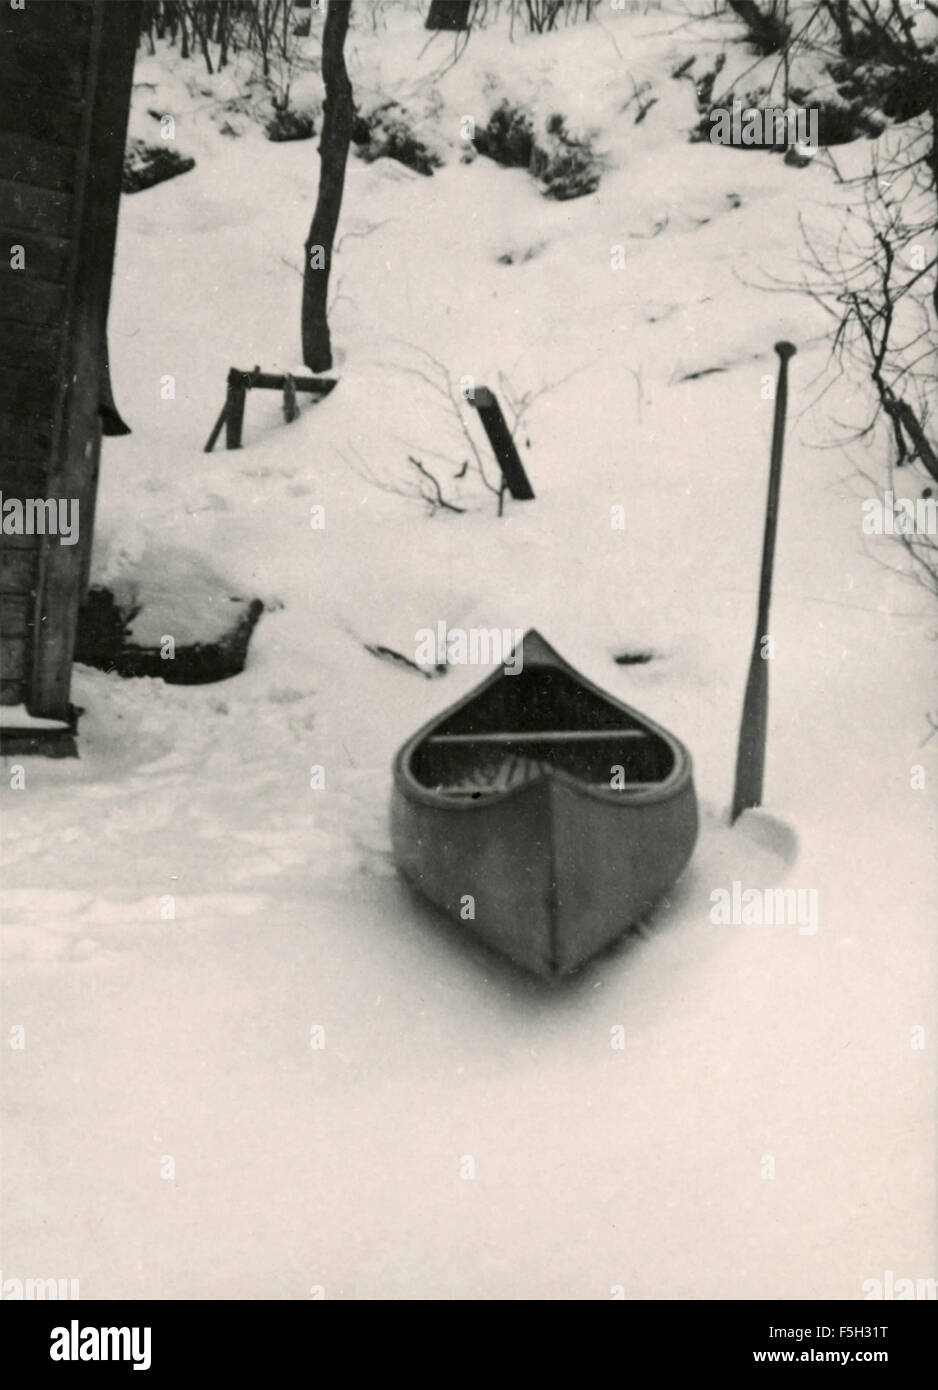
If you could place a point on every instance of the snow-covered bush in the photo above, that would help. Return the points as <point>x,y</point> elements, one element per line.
<point>565,166</point>
<point>146,165</point>
<point>392,137</point>
<point>507,137</point>
<point>858,66</point>
<point>290,125</point>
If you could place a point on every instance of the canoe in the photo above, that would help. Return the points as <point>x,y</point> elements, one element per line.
<point>542,814</point>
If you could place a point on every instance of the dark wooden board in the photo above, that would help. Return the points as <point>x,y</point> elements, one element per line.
<point>503,446</point>
<point>24,542</point>
<point>74,466</point>
<point>17,571</point>
<point>23,389</point>
<point>41,163</point>
<point>15,610</point>
<point>28,300</point>
<point>26,209</point>
<point>27,436</point>
<point>72,22</point>
<point>21,477</point>
<point>275,381</point>
<point>30,345</point>
<point>11,693</point>
<point>54,118</point>
<point>50,57</point>
<point>50,743</point>
<point>44,69</point>
<point>12,657</point>
<point>47,258</point>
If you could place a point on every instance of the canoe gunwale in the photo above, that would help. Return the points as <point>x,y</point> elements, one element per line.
<point>408,785</point>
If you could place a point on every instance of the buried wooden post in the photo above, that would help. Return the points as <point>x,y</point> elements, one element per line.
<point>499,435</point>
<point>234,410</point>
<point>240,382</point>
<point>216,429</point>
<point>750,755</point>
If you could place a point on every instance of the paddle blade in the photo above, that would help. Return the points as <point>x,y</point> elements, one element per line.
<point>750,757</point>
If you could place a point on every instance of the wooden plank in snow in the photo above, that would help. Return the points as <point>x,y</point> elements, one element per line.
<point>503,446</point>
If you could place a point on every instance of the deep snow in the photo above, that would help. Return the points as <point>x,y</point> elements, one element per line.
<point>339,1167</point>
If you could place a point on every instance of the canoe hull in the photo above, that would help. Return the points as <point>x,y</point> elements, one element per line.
<point>552,869</point>
<point>550,875</point>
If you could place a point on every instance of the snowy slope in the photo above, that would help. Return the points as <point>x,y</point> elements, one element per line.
<point>596,1167</point>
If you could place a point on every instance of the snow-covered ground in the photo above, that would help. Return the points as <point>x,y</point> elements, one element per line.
<point>182,910</point>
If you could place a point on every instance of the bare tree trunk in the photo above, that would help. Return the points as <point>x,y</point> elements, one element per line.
<point>448,14</point>
<point>221,35</point>
<point>337,113</point>
<point>768,31</point>
<point>200,20</point>
<point>839,11</point>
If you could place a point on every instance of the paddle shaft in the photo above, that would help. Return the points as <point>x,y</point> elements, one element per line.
<point>750,756</point>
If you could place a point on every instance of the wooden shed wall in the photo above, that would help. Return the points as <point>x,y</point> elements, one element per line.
<point>65,77</point>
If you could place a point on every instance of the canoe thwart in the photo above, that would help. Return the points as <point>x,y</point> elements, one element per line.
<point>549,736</point>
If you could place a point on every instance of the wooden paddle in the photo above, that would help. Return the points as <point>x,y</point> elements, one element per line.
<point>750,756</point>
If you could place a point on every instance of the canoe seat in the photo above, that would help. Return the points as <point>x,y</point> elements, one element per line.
<point>473,792</point>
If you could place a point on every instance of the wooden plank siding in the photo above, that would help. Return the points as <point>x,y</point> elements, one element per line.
<point>47,56</point>
<point>30,347</point>
<point>46,256</point>
<point>39,167</point>
<point>74,463</point>
<point>25,389</point>
<point>27,299</point>
<point>22,478</point>
<point>65,78</point>
<point>26,209</point>
<point>55,118</point>
<point>30,435</point>
<point>11,692</point>
<point>14,614</point>
<point>15,619</point>
<point>17,571</point>
<point>12,659</point>
<point>41,163</point>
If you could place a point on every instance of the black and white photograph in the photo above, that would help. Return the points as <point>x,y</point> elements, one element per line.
<point>468,655</point>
